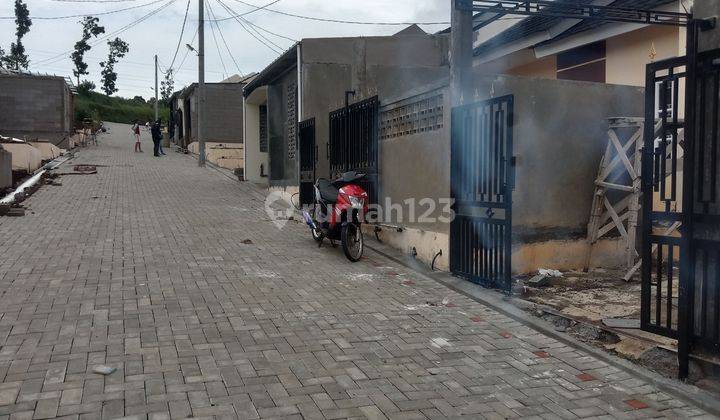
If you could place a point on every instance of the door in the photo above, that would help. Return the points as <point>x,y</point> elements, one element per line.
<point>308,160</point>
<point>481,183</point>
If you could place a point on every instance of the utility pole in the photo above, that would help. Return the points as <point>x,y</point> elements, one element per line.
<point>157,115</point>
<point>201,83</point>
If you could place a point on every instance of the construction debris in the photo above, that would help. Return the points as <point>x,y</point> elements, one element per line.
<point>85,169</point>
<point>625,323</point>
<point>104,370</point>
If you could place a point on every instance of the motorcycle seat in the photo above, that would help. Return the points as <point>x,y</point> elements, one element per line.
<point>328,191</point>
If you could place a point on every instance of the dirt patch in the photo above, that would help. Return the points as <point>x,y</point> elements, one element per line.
<point>590,296</point>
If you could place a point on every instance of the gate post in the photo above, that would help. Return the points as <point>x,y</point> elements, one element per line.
<point>687,263</point>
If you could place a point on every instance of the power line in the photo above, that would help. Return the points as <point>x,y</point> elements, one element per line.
<point>63,55</point>
<point>351,22</point>
<point>124,62</point>
<point>217,45</point>
<point>93,1</point>
<point>251,26</point>
<point>224,41</point>
<point>236,15</point>
<point>87,14</point>
<point>182,32</point>
<point>268,31</point>
<point>187,52</point>
<point>248,31</point>
<point>257,8</point>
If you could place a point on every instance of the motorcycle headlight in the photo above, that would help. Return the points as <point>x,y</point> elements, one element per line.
<point>356,201</point>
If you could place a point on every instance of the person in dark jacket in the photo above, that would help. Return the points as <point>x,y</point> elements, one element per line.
<point>156,136</point>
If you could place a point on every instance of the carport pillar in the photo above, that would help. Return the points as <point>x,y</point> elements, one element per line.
<point>461,51</point>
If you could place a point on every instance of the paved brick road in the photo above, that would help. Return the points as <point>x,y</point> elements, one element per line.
<point>143,267</point>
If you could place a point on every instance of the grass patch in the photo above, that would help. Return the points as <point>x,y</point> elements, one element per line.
<point>99,107</point>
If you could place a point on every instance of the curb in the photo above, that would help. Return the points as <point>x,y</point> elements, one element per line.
<point>503,304</point>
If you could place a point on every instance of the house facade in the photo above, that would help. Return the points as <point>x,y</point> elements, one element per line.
<point>562,79</point>
<point>319,76</point>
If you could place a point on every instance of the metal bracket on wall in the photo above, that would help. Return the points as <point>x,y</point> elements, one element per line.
<point>707,24</point>
<point>466,5</point>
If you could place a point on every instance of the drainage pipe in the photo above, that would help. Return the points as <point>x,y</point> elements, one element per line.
<point>10,198</point>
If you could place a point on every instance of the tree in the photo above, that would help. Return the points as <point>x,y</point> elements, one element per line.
<point>2,57</point>
<point>167,86</point>
<point>86,87</point>
<point>118,49</point>
<point>139,99</point>
<point>17,59</point>
<point>90,29</point>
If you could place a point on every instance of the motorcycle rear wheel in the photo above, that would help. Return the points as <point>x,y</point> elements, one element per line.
<point>352,241</point>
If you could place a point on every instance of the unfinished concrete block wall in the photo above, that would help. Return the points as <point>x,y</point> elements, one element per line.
<point>5,169</point>
<point>223,113</point>
<point>35,106</point>
<point>223,105</point>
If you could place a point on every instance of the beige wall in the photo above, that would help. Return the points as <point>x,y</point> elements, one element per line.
<point>626,56</point>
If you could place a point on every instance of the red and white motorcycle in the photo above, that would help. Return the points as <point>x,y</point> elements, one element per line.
<point>338,211</point>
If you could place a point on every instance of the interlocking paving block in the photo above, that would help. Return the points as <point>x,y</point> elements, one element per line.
<point>153,278</point>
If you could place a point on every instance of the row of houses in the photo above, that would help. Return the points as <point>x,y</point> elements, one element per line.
<point>382,105</point>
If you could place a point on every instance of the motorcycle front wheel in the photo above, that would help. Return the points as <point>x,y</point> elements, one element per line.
<point>317,235</point>
<point>352,241</point>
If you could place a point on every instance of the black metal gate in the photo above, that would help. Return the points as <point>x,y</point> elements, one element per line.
<point>308,160</point>
<point>481,182</point>
<point>681,210</point>
<point>353,142</point>
<point>662,199</point>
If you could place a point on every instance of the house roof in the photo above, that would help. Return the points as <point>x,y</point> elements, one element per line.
<point>413,29</point>
<point>535,24</point>
<point>236,78</point>
<point>274,70</point>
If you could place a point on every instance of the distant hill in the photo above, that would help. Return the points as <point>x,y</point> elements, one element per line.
<point>101,107</point>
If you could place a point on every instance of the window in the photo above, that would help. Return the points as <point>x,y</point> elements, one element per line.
<point>263,129</point>
<point>586,63</point>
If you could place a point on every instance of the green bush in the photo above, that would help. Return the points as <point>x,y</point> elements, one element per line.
<point>99,107</point>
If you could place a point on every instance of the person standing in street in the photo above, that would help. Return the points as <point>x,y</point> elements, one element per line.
<point>156,136</point>
<point>136,132</point>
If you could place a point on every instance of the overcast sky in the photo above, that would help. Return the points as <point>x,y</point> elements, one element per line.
<point>50,42</point>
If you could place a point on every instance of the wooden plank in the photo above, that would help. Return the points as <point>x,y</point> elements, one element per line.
<point>623,155</point>
<point>616,160</point>
<point>608,185</point>
<point>616,219</point>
